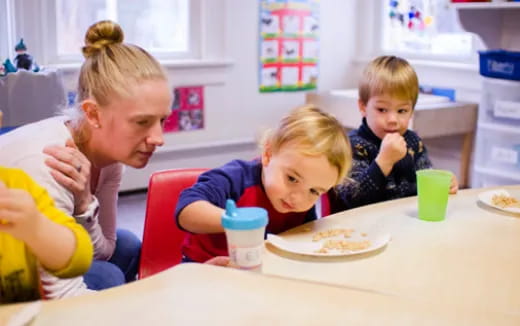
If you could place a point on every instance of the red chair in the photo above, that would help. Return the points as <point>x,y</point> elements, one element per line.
<point>325,205</point>
<point>162,239</point>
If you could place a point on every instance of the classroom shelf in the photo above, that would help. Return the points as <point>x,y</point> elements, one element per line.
<point>497,147</point>
<point>486,5</point>
<point>500,128</point>
<point>492,21</point>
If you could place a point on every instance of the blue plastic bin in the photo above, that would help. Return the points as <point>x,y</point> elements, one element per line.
<point>4,130</point>
<point>500,64</point>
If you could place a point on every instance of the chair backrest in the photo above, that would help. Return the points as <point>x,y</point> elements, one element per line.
<point>325,205</point>
<point>26,96</point>
<point>162,239</point>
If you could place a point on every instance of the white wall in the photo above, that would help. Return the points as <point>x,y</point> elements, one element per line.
<point>235,111</point>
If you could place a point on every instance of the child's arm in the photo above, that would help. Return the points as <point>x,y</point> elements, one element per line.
<point>393,149</point>
<point>368,182</point>
<point>201,217</point>
<point>366,187</point>
<point>199,208</point>
<point>405,170</point>
<point>454,184</point>
<point>51,243</point>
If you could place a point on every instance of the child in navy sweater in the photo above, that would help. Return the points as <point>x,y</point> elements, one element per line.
<point>302,159</point>
<point>386,154</point>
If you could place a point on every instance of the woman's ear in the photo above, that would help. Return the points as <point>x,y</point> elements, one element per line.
<point>266,154</point>
<point>91,111</point>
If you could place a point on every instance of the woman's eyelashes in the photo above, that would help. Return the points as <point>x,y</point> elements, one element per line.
<point>149,122</point>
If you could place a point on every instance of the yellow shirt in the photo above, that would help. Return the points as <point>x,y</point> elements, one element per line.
<point>19,279</point>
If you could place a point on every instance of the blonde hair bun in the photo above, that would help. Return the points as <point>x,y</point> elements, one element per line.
<point>101,35</point>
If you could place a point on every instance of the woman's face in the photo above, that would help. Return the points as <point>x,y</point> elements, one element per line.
<point>129,130</point>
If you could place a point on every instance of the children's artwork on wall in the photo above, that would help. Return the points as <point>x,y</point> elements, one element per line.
<point>289,45</point>
<point>187,110</point>
<point>424,27</point>
<point>269,24</point>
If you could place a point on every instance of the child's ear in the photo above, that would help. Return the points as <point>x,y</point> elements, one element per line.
<point>266,154</point>
<point>91,110</point>
<point>362,108</point>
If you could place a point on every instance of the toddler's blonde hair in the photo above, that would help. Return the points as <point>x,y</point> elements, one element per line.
<point>316,133</point>
<point>389,75</point>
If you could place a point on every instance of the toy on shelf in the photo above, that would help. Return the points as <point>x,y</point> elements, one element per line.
<point>24,60</point>
<point>7,67</point>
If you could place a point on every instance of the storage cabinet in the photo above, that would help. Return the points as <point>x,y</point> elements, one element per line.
<point>497,154</point>
<point>497,146</point>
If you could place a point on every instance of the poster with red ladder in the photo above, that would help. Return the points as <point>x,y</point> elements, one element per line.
<point>289,45</point>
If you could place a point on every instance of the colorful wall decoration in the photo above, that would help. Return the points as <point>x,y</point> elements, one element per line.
<point>187,109</point>
<point>289,45</point>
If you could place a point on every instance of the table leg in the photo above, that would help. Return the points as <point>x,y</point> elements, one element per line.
<point>465,159</point>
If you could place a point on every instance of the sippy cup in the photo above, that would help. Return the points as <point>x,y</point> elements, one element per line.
<point>245,228</point>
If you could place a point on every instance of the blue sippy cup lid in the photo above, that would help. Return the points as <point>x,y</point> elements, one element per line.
<point>244,218</point>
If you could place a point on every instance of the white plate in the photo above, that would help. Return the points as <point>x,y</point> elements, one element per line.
<point>308,247</point>
<point>486,198</point>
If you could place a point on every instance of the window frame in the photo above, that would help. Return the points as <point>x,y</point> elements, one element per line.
<point>6,31</point>
<point>38,28</point>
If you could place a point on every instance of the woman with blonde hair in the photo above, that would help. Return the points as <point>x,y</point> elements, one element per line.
<point>123,100</point>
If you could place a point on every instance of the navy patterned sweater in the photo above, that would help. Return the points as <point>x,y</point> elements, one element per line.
<point>369,184</point>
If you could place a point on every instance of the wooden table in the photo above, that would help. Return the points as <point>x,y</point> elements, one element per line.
<point>471,260</point>
<point>430,120</point>
<point>195,294</point>
<point>461,271</point>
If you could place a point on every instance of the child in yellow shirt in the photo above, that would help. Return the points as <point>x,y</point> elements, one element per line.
<point>35,234</point>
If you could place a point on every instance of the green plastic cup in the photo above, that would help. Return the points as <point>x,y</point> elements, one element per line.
<point>433,187</point>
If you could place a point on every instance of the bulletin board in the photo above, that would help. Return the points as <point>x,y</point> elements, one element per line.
<point>187,109</point>
<point>289,45</point>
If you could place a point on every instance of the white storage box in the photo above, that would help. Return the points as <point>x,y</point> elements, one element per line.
<point>491,178</point>
<point>498,148</point>
<point>500,101</point>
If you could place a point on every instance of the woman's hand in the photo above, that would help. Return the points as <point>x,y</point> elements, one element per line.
<point>71,169</point>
